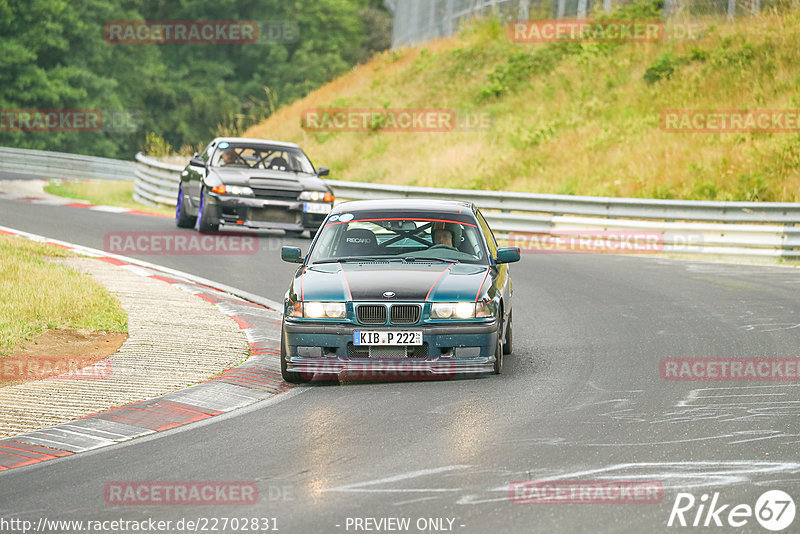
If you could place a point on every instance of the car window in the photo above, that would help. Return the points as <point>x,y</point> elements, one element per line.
<point>206,155</point>
<point>487,232</point>
<point>398,239</point>
<point>262,157</point>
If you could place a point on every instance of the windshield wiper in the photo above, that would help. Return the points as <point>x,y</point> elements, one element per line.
<point>429,258</point>
<point>288,170</point>
<point>357,259</point>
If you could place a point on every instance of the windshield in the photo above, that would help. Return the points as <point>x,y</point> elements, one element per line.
<point>413,239</point>
<point>262,157</point>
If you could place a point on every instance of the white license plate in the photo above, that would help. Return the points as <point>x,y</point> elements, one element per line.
<point>315,207</point>
<point>394,337</point>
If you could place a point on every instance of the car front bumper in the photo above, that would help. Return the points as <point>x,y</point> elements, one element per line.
<point>264,213</point>
<point>447,351</point>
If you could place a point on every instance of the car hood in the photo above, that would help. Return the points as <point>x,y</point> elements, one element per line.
<point>438,282</point>
<point>267,178</point>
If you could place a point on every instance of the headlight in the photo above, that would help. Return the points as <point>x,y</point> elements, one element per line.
<point>324,310</point>
<point>316,196</point>
<point>453,310</point>
<point>236,190</point>
<point>465,310</point>
<point>460,310</point>
<point>442,310</point>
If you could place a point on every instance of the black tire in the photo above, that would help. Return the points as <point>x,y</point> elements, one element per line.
<point>498,356</point>
<point>182,219</point>
<point>508,346</point>
<point>290,376</point>
<point>203,223</point>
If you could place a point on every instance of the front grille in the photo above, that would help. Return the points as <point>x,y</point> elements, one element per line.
<point>371,314</point>
<point>275,189</point>
<point>274,194</point>
<point>389,351</point>
<point>405,313</point>
<point>399,313</point>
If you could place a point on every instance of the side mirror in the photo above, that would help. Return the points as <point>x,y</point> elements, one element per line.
<point>291,255</point>
<point>507,255</point>
<point>197,160</point>
<point>323,171</point>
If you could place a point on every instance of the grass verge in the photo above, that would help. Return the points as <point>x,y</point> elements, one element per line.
<point>110,193</point>
<point>39,295</point>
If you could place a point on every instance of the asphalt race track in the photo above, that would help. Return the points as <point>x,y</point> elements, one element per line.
<point>580,398</point>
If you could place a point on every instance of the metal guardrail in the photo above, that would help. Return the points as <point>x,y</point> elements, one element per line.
<point>160,179</point>
<point>758,229</point>
<point>156,182</point>
<point>62,165</point>
<point>611,207</point>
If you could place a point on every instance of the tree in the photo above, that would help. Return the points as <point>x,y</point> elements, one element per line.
<point>53,56</point>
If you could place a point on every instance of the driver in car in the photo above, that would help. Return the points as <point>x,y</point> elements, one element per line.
<point>228,157</point>
<point>444,235</point>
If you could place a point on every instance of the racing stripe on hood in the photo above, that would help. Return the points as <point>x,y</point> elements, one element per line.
<point>412,282</point>
<point>437,280</point>
<point>346,283</point>
<point>480,287</point>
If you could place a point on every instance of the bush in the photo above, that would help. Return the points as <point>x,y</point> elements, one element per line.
<point>663,67</point>
<point>156,146</point>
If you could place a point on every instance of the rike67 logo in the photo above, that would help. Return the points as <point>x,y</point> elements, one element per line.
<point>774,510</point>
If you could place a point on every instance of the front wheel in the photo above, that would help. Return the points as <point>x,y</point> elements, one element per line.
<point>289,376</point>
<point>204,222</point>
<point>182,219</point>
<point>498,356</point>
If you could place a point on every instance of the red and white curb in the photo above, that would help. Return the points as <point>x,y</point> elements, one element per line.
<point>255,380</point>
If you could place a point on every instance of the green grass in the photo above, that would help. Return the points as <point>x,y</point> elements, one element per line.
<point>38,295</point>
<point>574,118</point>
<point>106,193</point>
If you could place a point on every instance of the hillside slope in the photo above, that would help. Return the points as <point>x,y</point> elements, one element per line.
<point>576,118</point>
